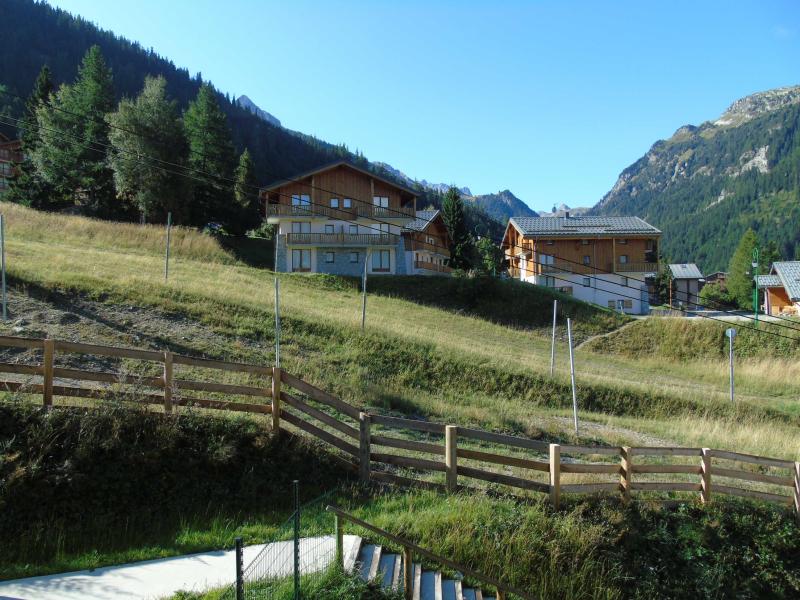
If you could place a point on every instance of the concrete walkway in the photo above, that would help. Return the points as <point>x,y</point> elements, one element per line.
<point>154,579</point>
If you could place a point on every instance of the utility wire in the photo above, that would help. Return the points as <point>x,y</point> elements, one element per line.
<point>216,176</point>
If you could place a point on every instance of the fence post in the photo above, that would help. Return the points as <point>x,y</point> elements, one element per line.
<point>626,472</point>
<point>296,485</point>
<point>167,381</point>
<point>797,491</point>
<point>451,456</point>
<point>276,400</point>
<point>408,574</point>
<point>553,340</point>
<point>363,446</point>
<point>705,483</point>
<point>47,372</point>
<point>239,569</point>
<point>555,475</point>
<point>337,528</point>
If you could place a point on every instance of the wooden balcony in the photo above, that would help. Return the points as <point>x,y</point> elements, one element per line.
<point>342,239</point>
<point>637,267</point>
<point>358,210</point>
<point>431,266</point>
<point>566,266</point>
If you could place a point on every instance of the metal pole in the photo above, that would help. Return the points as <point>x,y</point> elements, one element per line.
<point>3,261</point>
<point>166,257</point>
<point>553,341</point>
<point>755,284</point>
<point>296,486</point>
<point>239,569</point>
<point>277,322</point>
<point>730,356</point>
<point>572,376</point>
<point>364,293</point>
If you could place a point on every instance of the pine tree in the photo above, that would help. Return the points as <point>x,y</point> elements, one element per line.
<point>144,131</point>
<point>460,240</point>
<point>740,271</point>
<point>210,151</point>
<point>74,133</point>
<point>246,195</point>
<point>28,187</point>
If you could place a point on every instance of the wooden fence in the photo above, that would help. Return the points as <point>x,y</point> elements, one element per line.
<point>420,453</point>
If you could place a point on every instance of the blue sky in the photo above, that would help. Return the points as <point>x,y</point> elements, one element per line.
<point>548,99</point>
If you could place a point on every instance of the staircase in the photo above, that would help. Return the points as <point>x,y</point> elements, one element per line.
<point>375,564</point>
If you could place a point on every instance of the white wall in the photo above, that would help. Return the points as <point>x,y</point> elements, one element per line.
<point>601,289</point>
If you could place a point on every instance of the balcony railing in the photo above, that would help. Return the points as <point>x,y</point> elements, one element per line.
<point>341,239</point>
<point>566,266</point>
<point>431,266</point>
<point>358,210</point>
<point>637,267</point>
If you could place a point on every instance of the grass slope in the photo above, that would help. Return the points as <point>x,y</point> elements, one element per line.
<point>416,358</point>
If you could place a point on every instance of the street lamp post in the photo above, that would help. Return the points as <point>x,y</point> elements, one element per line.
<point>755,284</point>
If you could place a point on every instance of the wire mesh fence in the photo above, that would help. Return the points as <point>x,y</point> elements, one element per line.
<point>299,559</point>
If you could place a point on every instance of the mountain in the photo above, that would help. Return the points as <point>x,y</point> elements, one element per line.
<point>248,104</point>
<point>410,182</point>
<point>707,184</point>
<point>503,205</point>
<point>562,210</point>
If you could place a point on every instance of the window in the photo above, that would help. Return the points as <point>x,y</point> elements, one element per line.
<point>330,257</point>
<point>301,227</point>
<point>623,242</point>
<point>612,304</point>
<point>353,229</point>
<point>301,200</point>
<point>584,242</point>
<point>430,240</point>
<point>550,281</point>
<point>623,259</point>
<point>567,289</point>
<point>354,257</point>
<point>301,260</point>
<point>628,304</point>
<point>587,260</point>
<point>549,242</point>
<point>587,282</point>
<point>329,229</point>
<point>384,227</point>
<point>334,203</point>
<point>382,201</point>
<point>624,281</point>
<point>546,259</point>
<point>347,203</point>
<point>380,261</point>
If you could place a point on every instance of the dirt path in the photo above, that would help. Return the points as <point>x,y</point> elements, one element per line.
<point>607,334</point>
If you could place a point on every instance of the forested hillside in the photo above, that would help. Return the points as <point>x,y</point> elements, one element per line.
<point>36,34</point>
<point>705,186</point>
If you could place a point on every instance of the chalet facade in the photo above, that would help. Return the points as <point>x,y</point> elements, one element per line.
<point>427,244</point>
<point>781,288</point>
<point>339,217</point>
<point>603,260</point>
<point>10,157</point>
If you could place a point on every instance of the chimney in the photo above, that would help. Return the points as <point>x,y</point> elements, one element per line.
<point>566,215</point>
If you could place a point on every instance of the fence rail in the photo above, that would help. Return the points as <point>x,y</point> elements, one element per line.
<point>431,454</point>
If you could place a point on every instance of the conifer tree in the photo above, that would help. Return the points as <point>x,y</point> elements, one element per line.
<point>28,187</point>
<point>460,240</point>
<point>245,195</point>
<point>74,134</point>
<point>740,271</point>
<point>211,151</point>
<point>144,131</point>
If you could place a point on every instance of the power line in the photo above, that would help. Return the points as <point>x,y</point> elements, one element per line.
<point>213,175</point>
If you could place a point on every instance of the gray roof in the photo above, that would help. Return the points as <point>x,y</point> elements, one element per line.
<point>685,271</point>
<point>789,273</point>
<point>423,218</point>
<point>768,281</point>
<point>582,226</point>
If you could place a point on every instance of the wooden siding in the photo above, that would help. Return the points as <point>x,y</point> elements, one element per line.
<point>342,182</point>
<point>779,302</point>
<point>417,240</point>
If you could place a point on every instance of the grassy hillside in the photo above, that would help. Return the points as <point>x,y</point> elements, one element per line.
<point>86,488</point>
<point>415,358</point>
<point>690,339</point>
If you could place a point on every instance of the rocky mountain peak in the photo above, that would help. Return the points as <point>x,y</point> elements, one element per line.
<point>755,105</point>
<point>248,104</point>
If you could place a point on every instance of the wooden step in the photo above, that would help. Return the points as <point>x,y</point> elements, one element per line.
<point>417,582</point>
<point>470,594</point>
<point>375,564</point>
<point>365,558</point>
<point>449,591</point>
<point>386,568</point>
